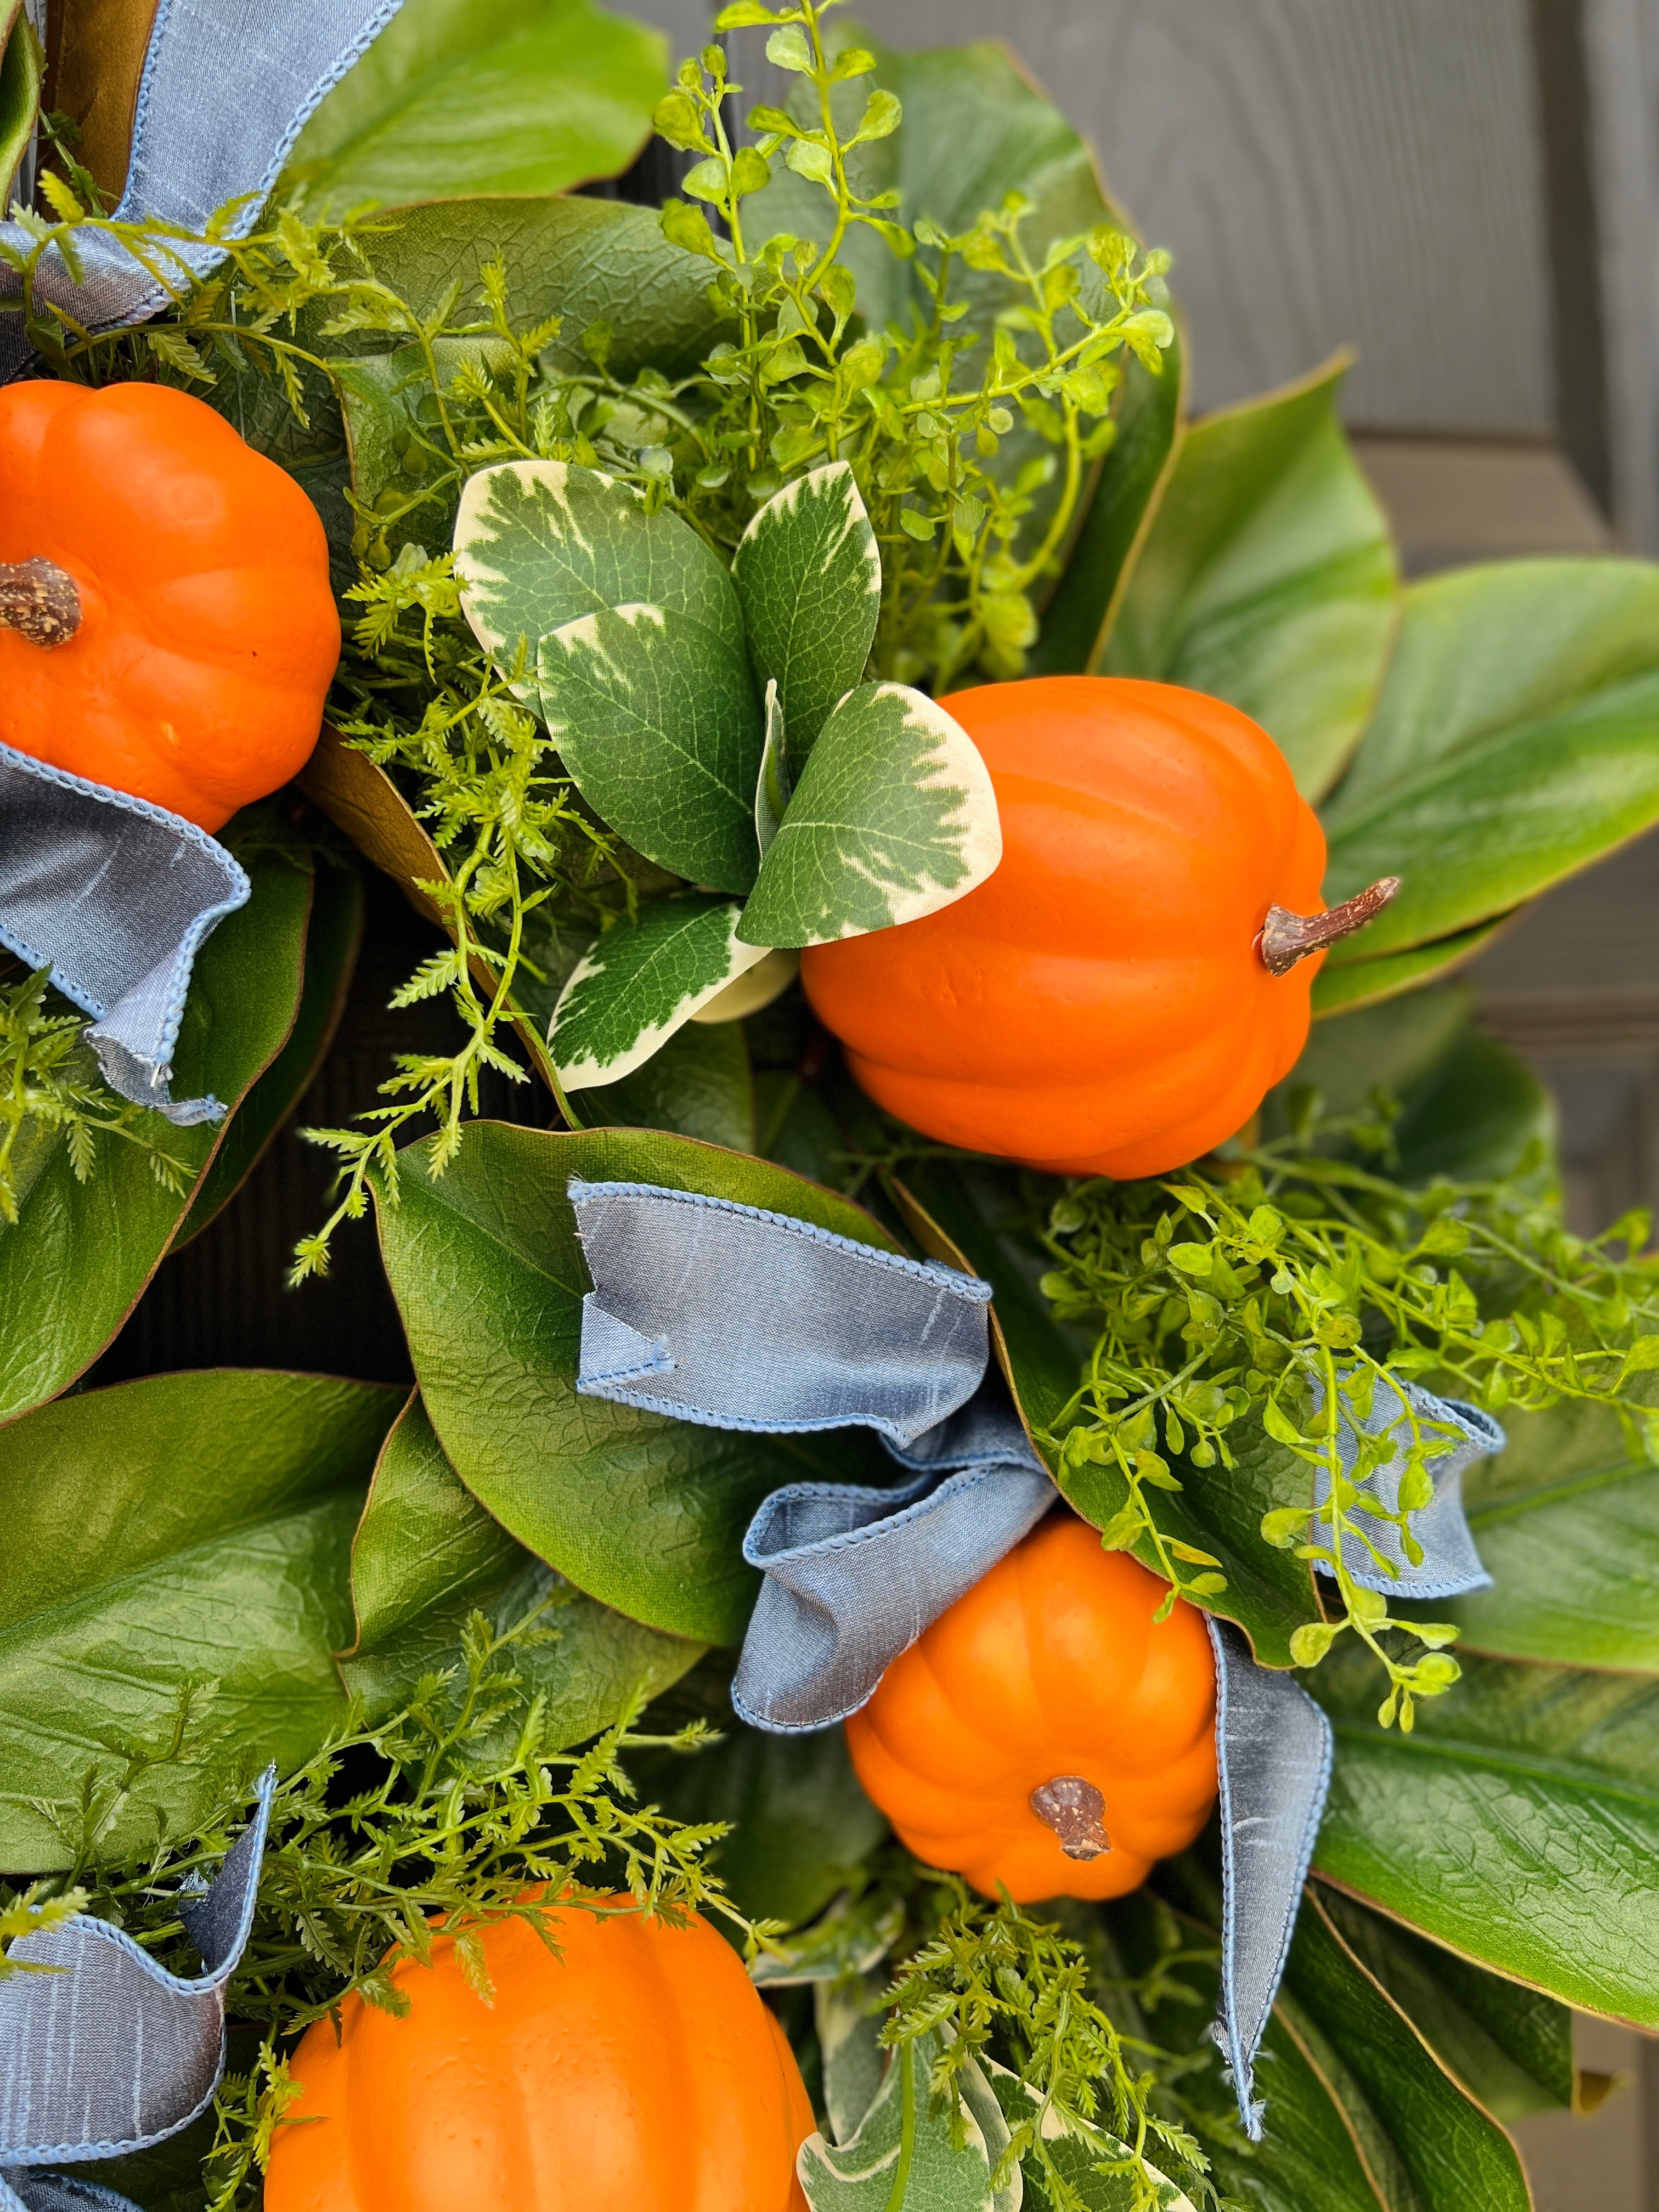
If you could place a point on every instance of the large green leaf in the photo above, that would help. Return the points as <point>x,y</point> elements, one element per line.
<point>1368,982</point>
<point>457,98</point>
<point>637,985</point>
<point>809,580</point>
<point>656,718</point>
<point>427,1555</point>
<point>332,937</point>
<point>1517,1824</point>
<point>21,70</point>
<point>1567,1523</point>
<point>1268,578</point>
<point>700,1084</point>
<point>183,1529</point>
<point>1510,2047</point>
<point>894,816</point>
<point>1516,740</point>
<point>74,1266</point>
<point>1428,2147</point>
<point>643,1513</point>
<point>539,544</point>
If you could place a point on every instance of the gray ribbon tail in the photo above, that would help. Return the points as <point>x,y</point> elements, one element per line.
<point>855,1576</point>
<point>1450,1564</point>
<point>111,2054</point>
<point>116,897</point>
<point>1273,1748</point>
<point>227,87</point>
<point>23,2191</point>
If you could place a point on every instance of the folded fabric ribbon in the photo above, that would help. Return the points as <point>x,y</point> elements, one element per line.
<point>107,2053</point>
<point>733,1316</point>
<point>1450,1565</point>
<point>115,897</point>
<point>227,87</point>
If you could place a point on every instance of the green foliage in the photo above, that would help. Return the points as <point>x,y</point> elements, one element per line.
<point>34,1912</point>
<point>1281,1292</point>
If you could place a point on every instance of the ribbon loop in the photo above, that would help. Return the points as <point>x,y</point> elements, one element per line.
<point>1451,1564</point>
<point>116,897</point>
<point>108,2053</point>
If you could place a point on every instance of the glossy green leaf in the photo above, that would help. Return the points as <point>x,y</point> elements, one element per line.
<point>656,718</point>
<point>1517,1824</point>
<point>643,1513</point>
<point>1268,578</point>
<point>801,1825</point>
<point>1516,740</point>
<point>808,576</point>
<point>1393,1046</point>
<point>699,1085</point>
<point>864,2174</point>
<point>185,1529</point>
<point>462,97</point>
<point>774,784</point>
<point>1509,2047</point>
<point>894,816</point>
<point>427,1555</point>
<point>1429,2147</point>
<point>380,396</point>
<point>1566,1521</point>
<point>333,933</point>
<point>1368,982</point>
<point>639,983</point>
<point>21,71</point>
<point>1477,1117</point>
<point>540,544</point>
<point>73,1267</point>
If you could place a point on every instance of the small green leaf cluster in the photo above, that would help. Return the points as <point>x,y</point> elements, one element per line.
<point>1277,1294</point>
<point>34,1911</point>
<point>50,1087</point>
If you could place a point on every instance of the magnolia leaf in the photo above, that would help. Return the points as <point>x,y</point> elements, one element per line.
<point>1517,1823</point>
<point>460,97</point>
<point>74,1265</point>
<point>186,1530</point>
<point>1514,743</point>
<point>427,1555</point>
<point>894,816</point>
<point>861,2175</point>
<point>1269,577</point>
<point>1370,982</point>
<point>808,575</point>
<point>656,720</point>
<point>538,543</point>
<point>773,785</point>
<point>640,981</point>
<point>644,1513</point>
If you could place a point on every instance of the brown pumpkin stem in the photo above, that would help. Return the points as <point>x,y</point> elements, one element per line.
<point>40,601</point>
<point>1287,937</point>
<point>1075,1810</point>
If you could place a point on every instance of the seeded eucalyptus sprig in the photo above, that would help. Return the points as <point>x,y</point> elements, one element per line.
<point>1282,1293</point>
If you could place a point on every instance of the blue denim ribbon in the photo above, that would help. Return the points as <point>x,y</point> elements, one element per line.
<point>116,897</point>
<point>227,86</point>
<point>110,2053</point>
<point>1450,1565</point>
<point>734,1317</point>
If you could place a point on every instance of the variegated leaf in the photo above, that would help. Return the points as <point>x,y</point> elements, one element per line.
<point>639,982</point>
<point>808,574</point>
<point>893,817</point>
<point>860,2175</point>
<point>656,720</point>
<point>772,786</point>
<point>539,543</point>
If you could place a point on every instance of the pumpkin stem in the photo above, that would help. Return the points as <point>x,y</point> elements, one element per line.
<point>1075,1810</point>
<point>40,601</point>
<point>1287,937</point>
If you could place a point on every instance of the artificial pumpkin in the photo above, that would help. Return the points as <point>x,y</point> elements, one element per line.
<point>166,624</point>
<point>1046,1733</point>
<point>1120,994</point>
<point>639,2072</point>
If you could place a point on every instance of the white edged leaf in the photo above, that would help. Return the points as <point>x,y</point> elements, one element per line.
<point>639,982</point>
<point>772,786</point>
<point>538,543</point>
<point>860,2175</point>
<point>769,979</point>
<point>656,722</point>
<point>894,816</point>
<point>808,573</point>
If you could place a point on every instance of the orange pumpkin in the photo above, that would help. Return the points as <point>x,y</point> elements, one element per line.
<point>1044,1733</point>
<point>638,2073</point>
<point>166,623</point>
<point>1118,997</point>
